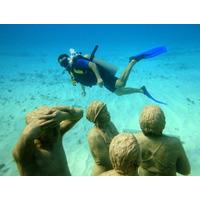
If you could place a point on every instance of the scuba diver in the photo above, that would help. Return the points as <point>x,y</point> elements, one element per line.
<point>89,71</point>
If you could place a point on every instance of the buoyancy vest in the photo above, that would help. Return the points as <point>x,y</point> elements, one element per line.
<point>81,74</point>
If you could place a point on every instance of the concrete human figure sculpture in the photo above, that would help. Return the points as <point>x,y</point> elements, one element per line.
<point>161,155</point>
<point>39,150</point>
<point>124,154</point>
<point>100,136</point>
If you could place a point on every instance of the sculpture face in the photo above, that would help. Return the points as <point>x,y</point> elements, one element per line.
<point>104,115</point>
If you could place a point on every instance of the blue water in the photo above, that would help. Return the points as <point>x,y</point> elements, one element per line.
<point>31,77</point>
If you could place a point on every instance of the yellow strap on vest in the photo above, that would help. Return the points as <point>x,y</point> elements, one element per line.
<point>78,71</point>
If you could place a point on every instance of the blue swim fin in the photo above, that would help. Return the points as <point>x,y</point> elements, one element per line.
<point>148,95</point>
<point>150,53</point>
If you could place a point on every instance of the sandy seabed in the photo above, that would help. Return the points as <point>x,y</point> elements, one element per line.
<point>173,78</point>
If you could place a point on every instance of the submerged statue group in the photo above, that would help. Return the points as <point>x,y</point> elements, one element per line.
<point>39,150</point>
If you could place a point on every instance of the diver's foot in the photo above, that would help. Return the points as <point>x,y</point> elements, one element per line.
<point>146,93</point>
<point>136,58</point>
<point>132,58</point>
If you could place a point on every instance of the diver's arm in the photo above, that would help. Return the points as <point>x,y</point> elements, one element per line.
<point>94,68</point>
<point>83,92</point>
<point>72,79</point>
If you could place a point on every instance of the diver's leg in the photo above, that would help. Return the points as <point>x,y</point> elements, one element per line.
<point>124,91</point>
<point>121,81</point>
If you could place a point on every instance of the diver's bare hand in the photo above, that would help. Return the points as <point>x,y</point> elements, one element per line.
<point>83,93</point>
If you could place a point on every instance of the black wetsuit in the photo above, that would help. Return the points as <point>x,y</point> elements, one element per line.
<point>84,75</point>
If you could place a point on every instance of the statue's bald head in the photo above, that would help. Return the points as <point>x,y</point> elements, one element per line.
<point>124,153</point>
<point>152,120</point>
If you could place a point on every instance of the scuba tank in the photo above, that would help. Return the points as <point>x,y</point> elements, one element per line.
<point>93,52</point>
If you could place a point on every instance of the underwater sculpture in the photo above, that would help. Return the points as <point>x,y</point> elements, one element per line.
<point>161,155</point>
<point>100,136</point>
<point>124,154</point>
<point>39,150</point>
<point>89,71</point>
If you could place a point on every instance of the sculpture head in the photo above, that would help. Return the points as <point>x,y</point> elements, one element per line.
<point>124,154</point>
<point>97,113</point>
<point>152,120</point>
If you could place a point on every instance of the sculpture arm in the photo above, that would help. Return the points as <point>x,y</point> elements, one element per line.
<point>183,165</point>
<point>99,149</point>
<point>69,116</point>
<point>25,147</point>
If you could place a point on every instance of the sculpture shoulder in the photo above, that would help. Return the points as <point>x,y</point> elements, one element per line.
<point>94,134</point>
<point>164,138</point>
<point>140,137</point>
<point>171,141</point>
<point>110,173</point>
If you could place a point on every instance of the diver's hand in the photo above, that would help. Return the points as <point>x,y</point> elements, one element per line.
<point>100,82</point>
<point>74,82</point>
<point>83,93</point>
